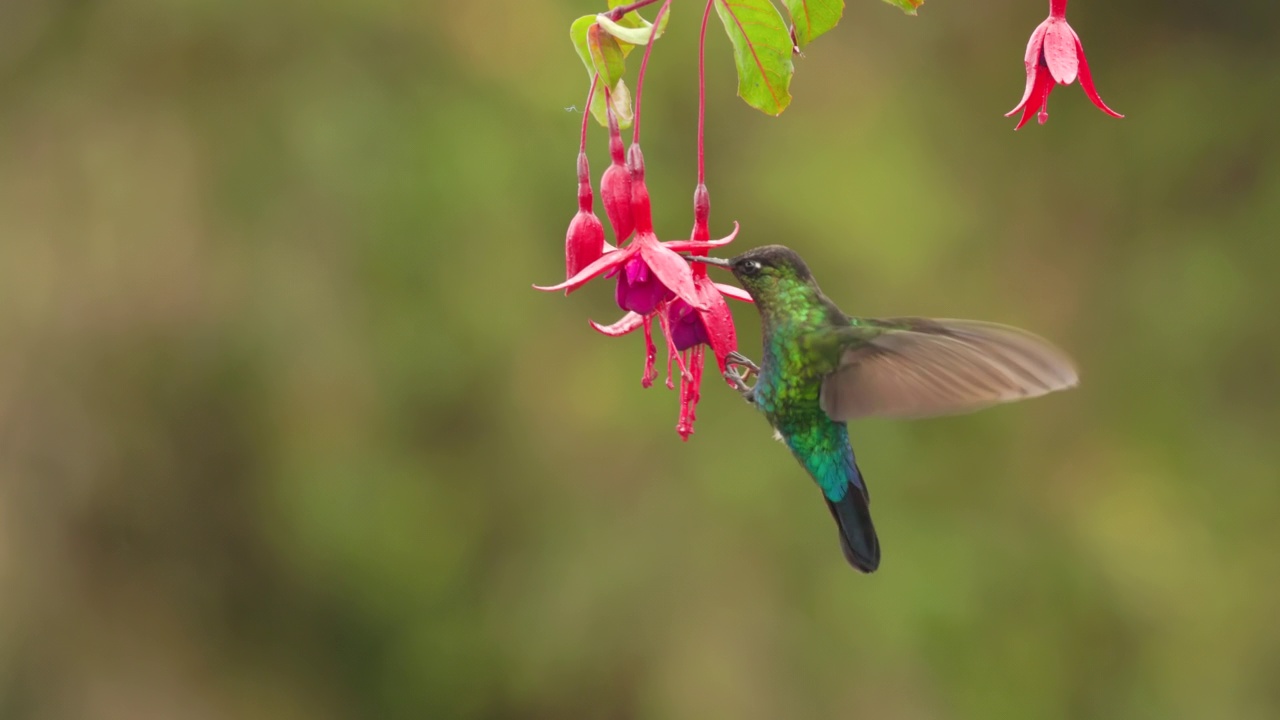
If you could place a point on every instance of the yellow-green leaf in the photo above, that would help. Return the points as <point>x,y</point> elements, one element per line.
<point>606,55</point>
<point>811,18</point>
<point>761,50</point>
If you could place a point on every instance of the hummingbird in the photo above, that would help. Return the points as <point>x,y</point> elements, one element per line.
<point>821,368</point>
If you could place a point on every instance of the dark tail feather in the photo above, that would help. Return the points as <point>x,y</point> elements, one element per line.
<point>857,534</point>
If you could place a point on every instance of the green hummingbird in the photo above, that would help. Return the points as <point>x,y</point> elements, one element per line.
<point>822,368</point>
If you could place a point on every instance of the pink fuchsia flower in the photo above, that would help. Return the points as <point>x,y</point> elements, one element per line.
<point>655,281</point>
<point>688,329</point>
<point>1054,54</point>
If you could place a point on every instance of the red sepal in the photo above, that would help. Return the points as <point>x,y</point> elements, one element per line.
<point>626,324</point>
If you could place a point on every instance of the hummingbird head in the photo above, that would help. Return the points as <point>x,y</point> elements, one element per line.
<point>767,271</point>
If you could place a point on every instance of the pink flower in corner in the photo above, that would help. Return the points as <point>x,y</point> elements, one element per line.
<point>1054,54</point>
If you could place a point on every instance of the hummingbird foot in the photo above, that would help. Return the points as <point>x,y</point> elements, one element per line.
<point>737,379</point>
<point>737,358</point>
<point>740,368</point>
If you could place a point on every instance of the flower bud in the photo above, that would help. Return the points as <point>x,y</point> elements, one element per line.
<point>584,242</point>
<point>641,213</point>
<point>615,185</point>
<point>701,214</point>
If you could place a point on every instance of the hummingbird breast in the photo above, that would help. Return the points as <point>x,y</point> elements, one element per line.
<point>789,386</point>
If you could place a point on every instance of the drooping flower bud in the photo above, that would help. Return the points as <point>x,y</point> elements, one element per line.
<point>701,215</point>
<point>701,225</point>
<point>641,213</point>
<point>584,242</point>
<point>615,185</point>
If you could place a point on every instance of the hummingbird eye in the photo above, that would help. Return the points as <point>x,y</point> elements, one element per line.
<point>750,267</point>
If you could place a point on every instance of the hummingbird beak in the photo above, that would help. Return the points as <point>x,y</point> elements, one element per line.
<point>719,262</point>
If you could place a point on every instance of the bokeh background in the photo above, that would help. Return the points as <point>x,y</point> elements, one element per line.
<point>284,432</point>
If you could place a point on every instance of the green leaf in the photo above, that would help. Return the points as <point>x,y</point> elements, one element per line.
<point>606,55</point>
<point>811,18</point>
<point>761,50</point>
<point>602,53</point>
<point>578,35</point>
<point>908,6</point>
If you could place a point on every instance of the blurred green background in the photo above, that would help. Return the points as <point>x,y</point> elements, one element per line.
<point>284,432</point>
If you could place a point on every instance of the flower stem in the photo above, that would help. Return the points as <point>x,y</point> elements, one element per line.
<point>702,95</point>
<point>586,112</point>
<point>617,13</point>
<point>644,65</point>
<point>1058,8</point>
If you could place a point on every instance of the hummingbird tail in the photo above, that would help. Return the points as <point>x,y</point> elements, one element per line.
<point>858,539</point>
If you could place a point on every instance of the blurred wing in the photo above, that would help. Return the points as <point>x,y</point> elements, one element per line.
<point>919,367</point>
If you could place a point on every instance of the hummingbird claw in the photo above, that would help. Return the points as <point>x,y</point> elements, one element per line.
<point>738,380</point>
<point>737,358</point>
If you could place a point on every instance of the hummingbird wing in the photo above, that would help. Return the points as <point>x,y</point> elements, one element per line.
<point>921,367</point>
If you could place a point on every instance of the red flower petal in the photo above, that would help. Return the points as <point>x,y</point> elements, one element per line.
<point>718,321</point>
<point>691,245</point>
<point>1039,96</point>
<point>1086,82</point>
<point>606,262</point>
<point>671,269</point>
<point>1060,51</point>
<point>736,293</point>
<point>1032,61</point>
<point>626,324</point>
<point>1032,57</point>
